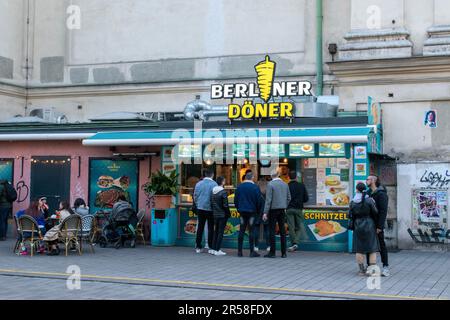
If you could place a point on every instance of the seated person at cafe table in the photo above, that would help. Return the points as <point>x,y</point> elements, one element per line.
<point>34,212</point>
<point>52,235</point>
<point>80,207</point>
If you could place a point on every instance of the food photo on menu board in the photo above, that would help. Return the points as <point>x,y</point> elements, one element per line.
<point>111,179</point>
<point>331,149</point>
<point>301,150</point>
<point>337,188</point>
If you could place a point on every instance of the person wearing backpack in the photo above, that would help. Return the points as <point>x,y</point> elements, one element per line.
<point>363,216</point>
<point>7,196</point>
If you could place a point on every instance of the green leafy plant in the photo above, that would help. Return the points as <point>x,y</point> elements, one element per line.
<point>161,184</point>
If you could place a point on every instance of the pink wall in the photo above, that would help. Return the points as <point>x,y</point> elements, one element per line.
<point>72,149</point>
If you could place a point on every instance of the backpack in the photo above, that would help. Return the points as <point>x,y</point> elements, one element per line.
<point>10,192</point>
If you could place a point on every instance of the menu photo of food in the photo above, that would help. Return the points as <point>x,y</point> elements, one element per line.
<point>337,191</point>
<point>325,229</point>
<point>191,227</point>
<point>110,190</point>
<point>331,149</point>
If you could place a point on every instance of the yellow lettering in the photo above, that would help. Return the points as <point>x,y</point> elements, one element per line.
<point>261,110</point>
<point>248,111</point>
<point>274,111</point>
<point>286,110</point>
<point>233,111</point>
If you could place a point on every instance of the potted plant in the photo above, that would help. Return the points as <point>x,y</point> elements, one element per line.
<point>160,188</point>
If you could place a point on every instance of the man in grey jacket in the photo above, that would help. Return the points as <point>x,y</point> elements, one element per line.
<point>202,199</point>
<point>278,197</point>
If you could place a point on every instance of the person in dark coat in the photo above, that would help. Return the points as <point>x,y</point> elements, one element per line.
<point>363,215</point>
<point>378,193</point>
<point>294,212</point>
<point>221,213</point>
<point>249,203</point>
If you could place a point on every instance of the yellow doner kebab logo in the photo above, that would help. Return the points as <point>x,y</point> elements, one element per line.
<point>267,89</point>
<point>266,71</point>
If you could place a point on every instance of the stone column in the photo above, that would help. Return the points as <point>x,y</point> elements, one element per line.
<point>377,32</point>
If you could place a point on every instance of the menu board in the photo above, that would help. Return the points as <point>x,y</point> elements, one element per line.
<point>310,182</point>
<point>245,150</point>
<point>271,150</point>
<point>331,150</point>
<point>189,151</point>
<point>301,150</point>
<point>110,179</point>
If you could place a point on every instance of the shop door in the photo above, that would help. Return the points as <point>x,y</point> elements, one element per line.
<point>50,177</point>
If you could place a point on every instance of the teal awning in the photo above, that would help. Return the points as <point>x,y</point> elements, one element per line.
<point>227,136</point>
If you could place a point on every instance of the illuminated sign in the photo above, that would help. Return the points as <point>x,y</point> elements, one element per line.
<point>267,89</point>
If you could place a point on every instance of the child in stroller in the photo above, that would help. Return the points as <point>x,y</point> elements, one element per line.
<point>121,225</point>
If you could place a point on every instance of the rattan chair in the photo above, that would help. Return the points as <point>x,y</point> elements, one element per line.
<point>140,226</point>
<point>19,235</point>
<point>29,232</point>
<point>96,230</point>
<point>87,224</point>
<point>70,232</point>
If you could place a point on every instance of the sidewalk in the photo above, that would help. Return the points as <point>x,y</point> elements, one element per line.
<point>179,273</point>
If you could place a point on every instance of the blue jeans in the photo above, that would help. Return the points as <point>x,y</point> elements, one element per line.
<point>4,213</point>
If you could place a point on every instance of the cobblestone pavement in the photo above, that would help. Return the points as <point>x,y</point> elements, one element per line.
<point>179,273</point>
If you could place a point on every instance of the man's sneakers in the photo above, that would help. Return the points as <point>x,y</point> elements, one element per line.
<point>220,253</point>
<point>213,252</point>
<point>385,272</point>
<point>256,249</point>
<point>197,250</point>
<point>269,255</point>
<point>293,248</point>
<point>254,254</point>
<point>268,249</point>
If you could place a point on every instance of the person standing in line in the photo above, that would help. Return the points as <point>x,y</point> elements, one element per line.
<point>294,213</point>
<point>262,184</point>
<point>202,198</point>
<point>7,196</point>
<point>378,193</point>
<point>221,213</point>
<point>278,198</point>
<point>363,216</point>
<point>248,201</point>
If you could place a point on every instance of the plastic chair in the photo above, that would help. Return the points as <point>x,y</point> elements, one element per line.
<point>29,231</point>
<point>87,224</point>
<point>70,232</point>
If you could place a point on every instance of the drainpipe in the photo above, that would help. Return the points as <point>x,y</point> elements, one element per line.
<point>319,46</point>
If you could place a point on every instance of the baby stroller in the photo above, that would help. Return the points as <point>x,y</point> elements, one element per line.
<point>120,227</point>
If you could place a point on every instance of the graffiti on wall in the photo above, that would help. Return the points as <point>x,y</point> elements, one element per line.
<point>78,192</point>
<point>23,191</point>
<point>436,179</point>
<point>435,236</point>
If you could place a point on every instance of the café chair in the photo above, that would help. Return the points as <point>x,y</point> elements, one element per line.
<point>17,243</point>
<point>140,225</point>
<point>70,232</point>
<point>29,232</point>
<point>87,224</point>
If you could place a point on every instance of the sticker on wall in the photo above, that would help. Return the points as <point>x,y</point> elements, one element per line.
<point>431,119</point>
<point>360,152</point>
<point>360,169</point>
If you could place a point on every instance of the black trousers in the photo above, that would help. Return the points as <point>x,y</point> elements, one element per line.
<point>277,216</point>
<point>203,217</point>
<point>247,220</point>
<point>219,227</point>
<point>383,250</point>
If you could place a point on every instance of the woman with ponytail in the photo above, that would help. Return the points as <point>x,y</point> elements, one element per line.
<point>363,216</point>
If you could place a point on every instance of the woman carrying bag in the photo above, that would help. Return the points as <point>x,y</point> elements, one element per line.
<point>363,214</point>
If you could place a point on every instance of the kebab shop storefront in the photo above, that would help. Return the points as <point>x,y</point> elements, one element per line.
<point>330,160</point>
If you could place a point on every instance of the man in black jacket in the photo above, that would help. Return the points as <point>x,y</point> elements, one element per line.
<point>294,212</point>
<point>221,213</point>
<point>378,193</point>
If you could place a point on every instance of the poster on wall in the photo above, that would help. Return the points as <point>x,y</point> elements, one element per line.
<point>360,169</point>
<point>431,119</point>
<point>361,152</point>
<point>110,179</point>
<point>6,170</point>
<point>429,206</point>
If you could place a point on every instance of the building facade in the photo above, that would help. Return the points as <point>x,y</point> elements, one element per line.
<point>83,59</point>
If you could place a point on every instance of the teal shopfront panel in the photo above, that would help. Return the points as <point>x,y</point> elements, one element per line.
<point>6,169</point>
